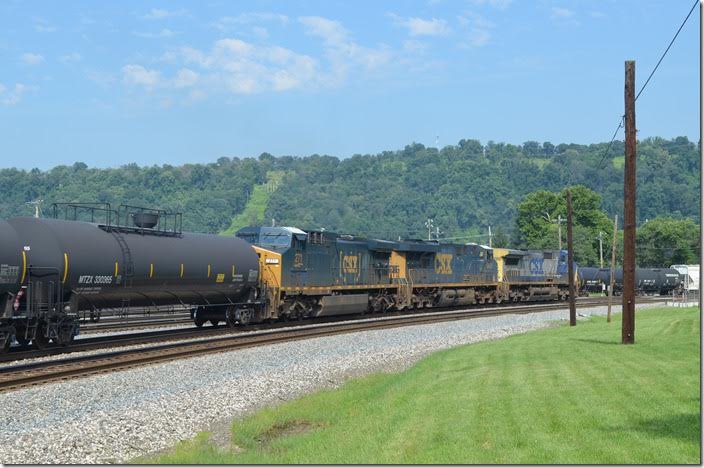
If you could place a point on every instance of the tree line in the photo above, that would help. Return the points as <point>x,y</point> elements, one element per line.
<point>463,188</point>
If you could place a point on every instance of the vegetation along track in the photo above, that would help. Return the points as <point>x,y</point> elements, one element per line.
<point>20,376</point>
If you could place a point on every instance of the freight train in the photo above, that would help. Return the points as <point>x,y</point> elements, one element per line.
<point>51,269</point>
<point>662,281</point>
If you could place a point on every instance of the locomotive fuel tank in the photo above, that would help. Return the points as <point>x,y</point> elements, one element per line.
<point>82,265</point>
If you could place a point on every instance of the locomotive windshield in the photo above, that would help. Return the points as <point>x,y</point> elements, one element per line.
<point>277,239</point>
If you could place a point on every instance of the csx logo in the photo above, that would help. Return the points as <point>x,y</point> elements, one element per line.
<point>443,264</point>
<point>536,265</point>
<point>349,264</point>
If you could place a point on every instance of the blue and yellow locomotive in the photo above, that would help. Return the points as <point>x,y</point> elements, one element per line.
<point>319,273</point>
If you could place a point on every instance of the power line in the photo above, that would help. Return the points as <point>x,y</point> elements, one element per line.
<point>620,125</point>
<point>668,48</point>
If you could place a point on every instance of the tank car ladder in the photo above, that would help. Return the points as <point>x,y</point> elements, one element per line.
<point>127,269</point>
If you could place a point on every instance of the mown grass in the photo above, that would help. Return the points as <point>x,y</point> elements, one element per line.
<point>253,213</point>
<point>559,395</point>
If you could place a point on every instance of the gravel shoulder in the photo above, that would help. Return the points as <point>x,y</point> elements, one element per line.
<point>116,417</point>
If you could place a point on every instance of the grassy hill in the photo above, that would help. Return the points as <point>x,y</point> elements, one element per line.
<point>253,213</point>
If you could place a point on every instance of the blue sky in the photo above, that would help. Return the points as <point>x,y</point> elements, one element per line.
<point>109,83</point>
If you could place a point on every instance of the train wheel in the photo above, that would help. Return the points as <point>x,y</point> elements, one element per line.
<point>7,340</point>
<point>64,335</point>
<point>40,341</point>
<point>215,323</point>
<point>199,322</point>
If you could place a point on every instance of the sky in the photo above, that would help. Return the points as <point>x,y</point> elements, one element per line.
<point>172,82</point>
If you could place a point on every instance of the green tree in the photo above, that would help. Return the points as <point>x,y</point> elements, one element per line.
<point>665,241</point>
<point>537,221</point>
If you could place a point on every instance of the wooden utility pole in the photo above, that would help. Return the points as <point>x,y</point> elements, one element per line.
<point>601,249</point>
<point>559,231</point>
<point>613,265</point>
<point>629,210</point>
<point>570,260</point>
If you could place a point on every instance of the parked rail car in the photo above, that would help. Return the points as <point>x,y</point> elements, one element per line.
<point>648,280</point>
<point>50,269</point>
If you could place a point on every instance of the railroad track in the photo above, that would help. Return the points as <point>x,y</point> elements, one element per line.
<point>25,375</point>
<point>162,336</point>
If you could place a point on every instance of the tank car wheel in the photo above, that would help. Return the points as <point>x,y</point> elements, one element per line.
<point>245,316</point>
<point>215,323</point>
<point>198,322</point>
<point>40,341</point>
<point>64,335</point>
<point>19,336</point>
<point>7,340</point>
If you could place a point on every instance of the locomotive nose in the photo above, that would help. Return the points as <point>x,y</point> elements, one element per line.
<point>11,264</point>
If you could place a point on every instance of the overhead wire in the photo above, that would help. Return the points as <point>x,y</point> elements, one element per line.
<point>620,125</point>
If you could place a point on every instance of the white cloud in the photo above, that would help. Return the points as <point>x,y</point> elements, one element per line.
<point>559,12</point>
<point>158,13</point>
<point>138,75</point>
<point>70,58</point>
<point>228,22</point>
<point>499,4</point>
<point>10,97</point>
<point>332,32</point>
<point>243,67</point>
<point>416,47</point>
<point>237,67</point>
<point>260,32</point>
<point>424,27</point>
<point>343,53</point>
<point>41,25</point>
<point>29,58</point>
<point>476,30</point>
<point>185,78</point>
<point>161,34</point>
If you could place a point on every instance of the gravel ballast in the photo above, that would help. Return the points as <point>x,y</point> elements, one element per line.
<point>116,417</point>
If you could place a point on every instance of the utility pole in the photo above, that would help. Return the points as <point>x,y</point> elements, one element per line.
<point>601,250</point>
<point>429,225</point>
<point>613,265</point>
<point>570,260</point>
<point>629,210</point>
<point>489,236</point>
<point>559,231</point>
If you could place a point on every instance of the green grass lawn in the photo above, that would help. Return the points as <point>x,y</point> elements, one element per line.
<point>558,395</point>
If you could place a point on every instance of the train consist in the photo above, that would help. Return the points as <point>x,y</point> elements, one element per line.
<point>661,281</point>
<point>51,269</point>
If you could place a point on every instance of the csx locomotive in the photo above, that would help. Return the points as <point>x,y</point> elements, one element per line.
<point>52,269</point>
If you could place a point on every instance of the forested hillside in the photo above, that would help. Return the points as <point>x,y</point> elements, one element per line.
<point>463,188</point>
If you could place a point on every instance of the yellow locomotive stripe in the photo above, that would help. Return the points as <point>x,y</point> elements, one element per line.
<point>63,280</point>
<point>24,266</point>
<point>208,270</point>
<point>116,269</point>
<point>151,270</point>
<point>181,272</point>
